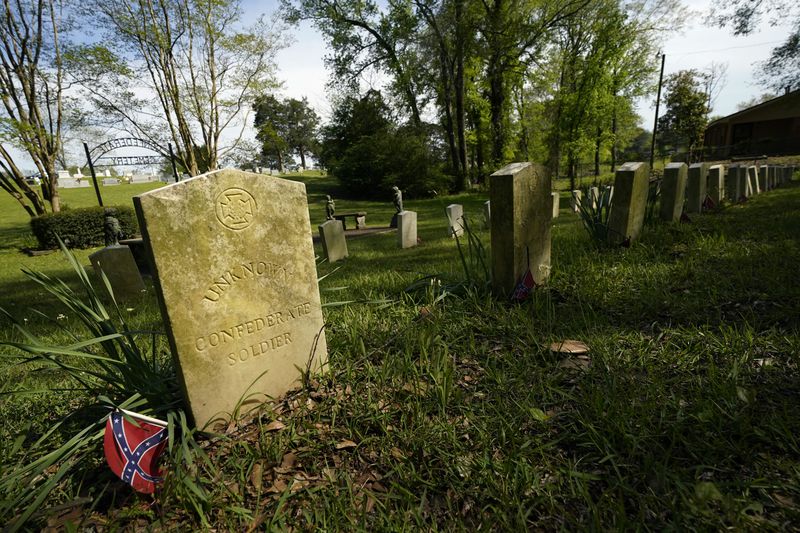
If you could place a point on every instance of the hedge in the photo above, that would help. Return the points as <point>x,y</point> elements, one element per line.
<point>80,228</point>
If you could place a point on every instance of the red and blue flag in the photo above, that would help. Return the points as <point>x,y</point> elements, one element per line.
<point>524,287</point>
<point>133,451</point>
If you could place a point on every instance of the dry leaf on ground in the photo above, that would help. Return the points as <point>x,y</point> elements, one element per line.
<point>570,346</point>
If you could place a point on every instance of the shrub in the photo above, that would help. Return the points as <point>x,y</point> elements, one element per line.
<point>80,228</point>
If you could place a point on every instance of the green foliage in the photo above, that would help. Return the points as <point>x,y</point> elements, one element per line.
<point>369,153</point>
<point>594,215</point>
<point>80,228</point>
<point>683,123</point>
<point>284,128</point>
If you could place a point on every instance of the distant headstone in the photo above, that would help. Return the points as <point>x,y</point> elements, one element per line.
<point>594,197</point>
<point>716,184</point>
<point>455,220</point>
<point>119,266</point>
<point>752,181</point>
<point>334,245</point>
<point>556,203</point>
<point>763,171</point>
<point>733,184</point>
<point>575,201</point>
<point>696,187</point>
<point>521,221</point>
<point>487,213</point>
<point>673,188</point>
<point>406,229</point>
<point>237,283</point>
<point>107,182</point>
<point>771,174</point>
<point>72,183</point>
<point>626,218</point>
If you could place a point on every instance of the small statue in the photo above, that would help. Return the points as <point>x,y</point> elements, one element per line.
<point>330,207</point>
<point>398,199</point>
<point>111,227</point>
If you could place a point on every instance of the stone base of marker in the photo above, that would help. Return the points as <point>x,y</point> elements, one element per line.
<point>626,218</point>
<point>521,222</point>
<point>556,204</point>
<point>696,187</point>
<point>119,266</point>
<point>455,220</point>
<point>334,244</point>
<point>673,188</point>
<point>575,201</point>
<point>406,229</point>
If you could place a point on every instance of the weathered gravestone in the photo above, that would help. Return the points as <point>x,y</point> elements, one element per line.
<point>487,213</point>
<point>733,183</point>
<point>772,173</point>
<point>107,182</point>
<point>556,203</point>
<point>673,188</point>
<point>575,201</point>
<point>626,218</point>
<point>406,229</point>
<point>716,184</point>
<point>763,184</point>
<point>455,220</point>
<point>594,197</point>
<point>751,185</point>
<point>237,283</point>
<point>521,219</point>
<point>334,244</point>
<point>696,187</point>
<point>119,267</point>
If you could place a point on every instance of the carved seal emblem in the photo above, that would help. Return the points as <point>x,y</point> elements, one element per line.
<point>235,208</point>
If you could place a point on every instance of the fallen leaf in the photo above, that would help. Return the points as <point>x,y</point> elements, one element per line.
<point>581,362</point>
<point>345,444</point>
<point>257,475</point>
<point>397,453</point>
<point>289,460</point>
<point>278,486</point>
<point>275,425</point>
<point>572,347</point>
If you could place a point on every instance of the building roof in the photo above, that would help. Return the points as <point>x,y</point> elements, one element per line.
<point>773,101</point>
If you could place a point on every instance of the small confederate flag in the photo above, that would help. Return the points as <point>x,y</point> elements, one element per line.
<point>132,452</point>
<point>524,287</point>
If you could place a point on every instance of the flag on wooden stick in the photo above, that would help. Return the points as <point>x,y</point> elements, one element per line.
<point>132,449</point>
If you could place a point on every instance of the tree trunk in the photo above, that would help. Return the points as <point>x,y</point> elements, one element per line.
<point>597,153</point>
<point>302,152</point>
<point>459,93</point>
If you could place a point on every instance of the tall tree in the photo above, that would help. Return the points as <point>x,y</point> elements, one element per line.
<point>194,56</point>
<point>686,112</point>
<point>303,125</point>
<point>31,88</point>
<point>272,125</point>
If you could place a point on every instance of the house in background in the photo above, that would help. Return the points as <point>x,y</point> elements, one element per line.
<point>770,128</point>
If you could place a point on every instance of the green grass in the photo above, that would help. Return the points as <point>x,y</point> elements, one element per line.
<point>455,415</point>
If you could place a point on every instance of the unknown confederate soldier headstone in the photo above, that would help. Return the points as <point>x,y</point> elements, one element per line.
<point>236,278</point>
<point>521,220</point>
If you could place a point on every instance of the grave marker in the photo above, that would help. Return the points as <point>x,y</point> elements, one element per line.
<point>522,201</point>
<point>334,245</point>
<point>733,183</point>
<point>120,268</point>
<point>487,213</point>
<point>235,274</point>
<point>626,218</point>
<point>455,220</point>
<point>763,183</point>
<point>696,187</point>
<point>406,229</point>
<point>716,184</point>
<point>556,204</point>
<point>575,201</point>
<point>673,188</point>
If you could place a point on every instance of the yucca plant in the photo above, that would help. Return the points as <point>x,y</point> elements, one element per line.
<point>109,366</point>
<point>594,216</point>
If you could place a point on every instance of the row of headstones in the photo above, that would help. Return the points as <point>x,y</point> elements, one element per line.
<point>77,182</point>
<point>236,279</point>
<point>334,243</point>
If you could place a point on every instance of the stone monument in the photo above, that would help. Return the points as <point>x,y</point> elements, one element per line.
<point>334,244</point>
<point>556,204</point>
<point>716,184</point>
<point>626,218</point>
<point>696,187</point>
<point>575,200</point>
<point>406,229</point>
<point>234,270</point>
<point>397,200</point>
<point>521,196</point>
<point>673,187</point>
<point>330,207</point>
<point>117,263</point>
<point>455,220</point>
<point>112,231</point>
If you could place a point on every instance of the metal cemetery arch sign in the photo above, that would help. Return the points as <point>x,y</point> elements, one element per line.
<point>96,156</point>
